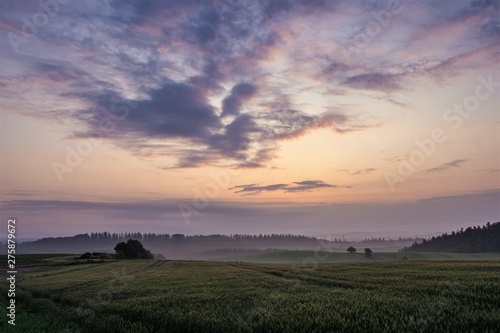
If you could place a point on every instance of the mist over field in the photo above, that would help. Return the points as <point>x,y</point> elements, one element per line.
<point>179,246</point>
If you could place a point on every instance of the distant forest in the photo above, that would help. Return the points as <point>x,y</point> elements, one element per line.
<point>180,246</point>
<point>163,243</point>
<point>471,240</point>
<point>105,238</point>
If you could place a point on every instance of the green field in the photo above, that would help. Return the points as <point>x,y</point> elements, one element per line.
<point>197,296</point>
<point>330,257</point>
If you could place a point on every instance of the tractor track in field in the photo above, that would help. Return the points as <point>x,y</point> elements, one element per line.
<point>304,276</point>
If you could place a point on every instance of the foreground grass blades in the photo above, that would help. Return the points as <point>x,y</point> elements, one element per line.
<point>183,296</point>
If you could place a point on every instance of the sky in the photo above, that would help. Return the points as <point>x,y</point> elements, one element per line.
<point>234,116</point>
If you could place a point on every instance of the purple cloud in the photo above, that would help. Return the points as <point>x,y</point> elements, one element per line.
<point>190,67</point>
<point>302,186</point>
<point>374,81</point>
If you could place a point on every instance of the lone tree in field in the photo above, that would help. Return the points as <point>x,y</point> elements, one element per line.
<point>351,249</point>
<point>132,249</point>
<point>368,252</point>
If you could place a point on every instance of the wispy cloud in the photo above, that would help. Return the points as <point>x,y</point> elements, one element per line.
<point>308,185</point>
<point>301,186</point>
<point>374,81</point>
<point>358,172</point>
<point>490,170</point>
<point>446,166</point>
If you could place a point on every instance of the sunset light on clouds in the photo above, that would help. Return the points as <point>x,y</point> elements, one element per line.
<point>306,117</point>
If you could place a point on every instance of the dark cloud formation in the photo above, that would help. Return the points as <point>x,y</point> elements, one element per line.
<point>207,25</point>
<point>308,185</point>
<point>302,186</point>
<point>255,189</point>
<point>446,166</point>
<point>181,111</point>
<point>192,159</point>
<point>333,68</point>
<point>274,7</point>
<point>477,6</point>
<point>175,110</point>
<point>174,105</point>
<point>236,137</point>
<point>258,160</point>
<point>240,92</point>
<point>208,75</point>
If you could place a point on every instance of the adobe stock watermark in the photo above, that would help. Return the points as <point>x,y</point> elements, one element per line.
<point>454,117</point>
<point>373,29</point>
<point>119,111</point>
<point>34,22</point>
<point>211,190</point>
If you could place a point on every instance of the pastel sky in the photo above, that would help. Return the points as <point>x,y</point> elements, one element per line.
<point>237,116</point>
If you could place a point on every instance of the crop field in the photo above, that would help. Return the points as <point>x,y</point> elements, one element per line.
<point>196,296</point>
<point>322,256</point>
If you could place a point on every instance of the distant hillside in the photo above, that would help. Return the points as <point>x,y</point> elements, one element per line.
<point>179,246</point>
<point>471,240</point>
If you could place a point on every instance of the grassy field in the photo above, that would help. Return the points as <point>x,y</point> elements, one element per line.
<point>195,296</point>
<point>327,257</point>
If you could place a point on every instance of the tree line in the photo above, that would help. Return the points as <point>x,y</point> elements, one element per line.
<point>96,237</point>
<point>474,239</point>
<point>102,240</point>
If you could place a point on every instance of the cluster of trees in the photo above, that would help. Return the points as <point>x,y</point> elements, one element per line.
<point>132,249</point>
<point>368,251</point>
<point>471,240</point>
